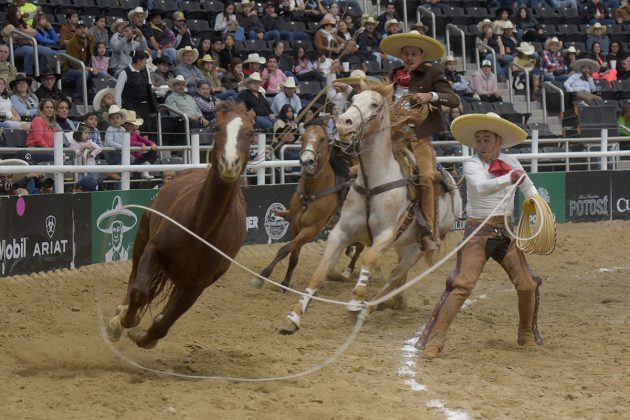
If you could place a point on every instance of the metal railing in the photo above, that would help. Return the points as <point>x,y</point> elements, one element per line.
<point>282,149</point>
<point>543,89</point>
<point>35,48</point>
<point>84,75</point>
<point>420,11</point>
<point>163,107</point>
<point>527,88</point>
<point>462,35</point>
<point>478,48</point>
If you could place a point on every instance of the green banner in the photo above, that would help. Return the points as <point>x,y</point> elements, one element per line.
<point>552,188</point>
<point>114,228</point>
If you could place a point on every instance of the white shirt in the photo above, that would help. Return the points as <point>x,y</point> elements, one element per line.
<point>485,191</point>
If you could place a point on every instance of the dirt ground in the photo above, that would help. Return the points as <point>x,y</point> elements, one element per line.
<point>54,364</point>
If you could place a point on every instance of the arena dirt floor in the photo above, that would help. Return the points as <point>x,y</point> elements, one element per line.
<point>54,364</point>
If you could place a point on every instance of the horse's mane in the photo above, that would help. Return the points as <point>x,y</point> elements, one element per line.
<point>231,106</point>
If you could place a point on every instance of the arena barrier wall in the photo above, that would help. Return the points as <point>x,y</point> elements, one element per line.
<point>47,232</point>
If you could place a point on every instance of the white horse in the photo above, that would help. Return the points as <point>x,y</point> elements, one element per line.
<point>375,207</point>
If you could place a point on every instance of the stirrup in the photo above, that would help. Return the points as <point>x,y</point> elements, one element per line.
<point>427,243</point>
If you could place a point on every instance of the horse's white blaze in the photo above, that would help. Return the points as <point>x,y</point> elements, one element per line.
<point>309,150</point>
<point>232,129</point>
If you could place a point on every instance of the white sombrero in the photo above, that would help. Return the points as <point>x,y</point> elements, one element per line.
<point>137,11</point>
<point>289,83</point>
<point>175,80</point>
<point>355,77</point>
<point>98,98</point>
<point>483,23</point>
<point>255,58</point>
<point>553,40</point>
<point>393,44</point>
<point>14,162</point>
<point>115,109</point>
<point>390,23</point>
<point>577,66</point>
<point>526,48</point>
<point>187,49</point>
<point>116,26</point>
<point>464,128</point>
<point>132,118</point>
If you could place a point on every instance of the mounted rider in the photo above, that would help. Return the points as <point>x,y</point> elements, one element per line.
<point>430,87</point>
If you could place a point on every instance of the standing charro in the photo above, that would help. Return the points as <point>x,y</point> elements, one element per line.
<point>429,86</point>
<point>490,175</point>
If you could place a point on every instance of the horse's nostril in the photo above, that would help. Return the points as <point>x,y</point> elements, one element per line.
<point>349,122</point>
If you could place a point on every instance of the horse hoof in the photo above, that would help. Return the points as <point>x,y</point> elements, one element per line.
<point>287,327</point>
<point>139,336</point>
<point>354,306</point>
<point>347,273</point>
<point>114,329</point>
<point>256,283</point>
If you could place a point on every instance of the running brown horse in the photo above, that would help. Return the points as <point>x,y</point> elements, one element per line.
<point>210,203</point>
<point>314,202</point>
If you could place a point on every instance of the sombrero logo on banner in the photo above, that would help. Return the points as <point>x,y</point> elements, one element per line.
<point>117,221</point>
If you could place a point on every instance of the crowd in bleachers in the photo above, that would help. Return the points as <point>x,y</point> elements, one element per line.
<point>276,57</point>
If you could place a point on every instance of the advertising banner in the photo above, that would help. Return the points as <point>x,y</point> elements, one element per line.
<point>588,196</point>
<point>263,226</point>
<point>552,188</point>
<point>620,194</point>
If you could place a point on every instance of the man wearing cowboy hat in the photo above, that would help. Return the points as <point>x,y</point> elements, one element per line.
<point>490,175</point>
<point>185,103</point>
<point>253,96</point>
<point>288,95</point>
<point>552,61</point>
<point>455,78</point>
<point>428,86</point>
<point>597,33</point>
<point>581,82</point>
<point>369,42</point>
<point>187,68</point>
<point>183,37</point>
<point>387,15</point>
<point>48,86</point>
<point>123,42</point>
<point>254,62</point>
<point>162,73</point>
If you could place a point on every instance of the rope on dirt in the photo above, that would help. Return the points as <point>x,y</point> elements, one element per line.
<point>329,360</point>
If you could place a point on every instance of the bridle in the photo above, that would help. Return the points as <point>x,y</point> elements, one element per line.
<point>349,146</point>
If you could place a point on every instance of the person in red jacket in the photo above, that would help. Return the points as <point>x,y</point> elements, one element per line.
<point>42,131</point>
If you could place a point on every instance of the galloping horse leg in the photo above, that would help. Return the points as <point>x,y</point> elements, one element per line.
<point>358,249</point>
<point>180,300</point>
<point>138,293</point>
<point>379,244</point>
<point>408,257</point>
<point>293,261</point>
<point>337,241</point>
<point>304,236</point>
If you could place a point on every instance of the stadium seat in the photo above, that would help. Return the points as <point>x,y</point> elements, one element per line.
<point>543,130</point>
<point>570,16</point>
<point>373,68</point>
<point>14,138</point>
<point>308,45</point>
<point>547,16</point>
<point>482,107</point>
<point>309,89</point>
<point>213,7</point>
<point>292,26</point>
<point>198,25</point>
<point>569,32</point>
<point>190,6</point>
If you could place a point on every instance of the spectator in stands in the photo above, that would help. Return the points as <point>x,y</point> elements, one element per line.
<point>305,69</point>
<point>162,73</point>
<point>9,117</point>
<point>48,86</point>
<point>234,76</point>
<point>484,83</point>
<point>392,27</point>
<point>62,122</point>
<point>597,11</point>
<point>99,30</point>
<point>206,66</point>
<point>326,40</point>
<point>251,24</point>
<point>148,154</point>
<point>271,19</point>
<point>552,61</point>
<point>369,41</point>
<point>455,78</point>
<point>114,135</point>
<point>226,54</point>
<point>254,62</point>
<point>69,28</point>
<point>286,132</point>
<point>42,131</point>
<point>185,103</point>
<point>614,53</point>
<point>503,19</point>
<point>100,61</point>
<point>624,72</point>
<point>164,38</point>
<point>22,47</point>
<point>333,12</point>
<point>623,122</point>
<point>46,34</point>
<point>103,99</point>
<point>90,121</point>
<point>596,33</point>
<point>312,9</point>
<point>570,55</point>
<point>388,14</point>
<point>123,43</point>
<point>581,83</point>
<point>81,142</point>
<point>7,70</point>
<point>205,101</point>
<point>205,45</point>
<point>526,57</point>
<point>527,24</point>
<point>137,18</point>
<point>81,47</point>
<point>287,96</point>
<point>622,14</point>
<point>133,90</point>
<point>187,58</point>
<point>183,37</point>
<point>510,42</point>
<point>88,183</point>
<point>253,96</point>
<point>28,10</point>
<point>226,23</point>
<point>489,39</point>
<point>285,61</point>
<point>272,76</point>
<point>25,103</point>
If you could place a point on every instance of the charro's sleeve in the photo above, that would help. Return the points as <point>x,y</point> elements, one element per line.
<point>527,186</point>
<point>477,179</point>
<point>444,92</point>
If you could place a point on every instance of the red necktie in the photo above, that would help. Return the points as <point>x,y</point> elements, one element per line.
<point>499,168</point>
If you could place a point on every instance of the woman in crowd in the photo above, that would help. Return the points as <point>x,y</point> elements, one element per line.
<point>272,76</point>
<point>226,23</point>
<point>286,132</point>
<point>234,76</point>
<point>305,69</point>
<point>23,100</point>
<point>489,39</point>
<point>227,53</point>
<point>42,131</point>
<point>46,34</point>
<point>205,46</point>
<point>615,55</point>
<point>9,117</point>
<point>62,122</point>
<point>99,30</point>
<point>133,89</point>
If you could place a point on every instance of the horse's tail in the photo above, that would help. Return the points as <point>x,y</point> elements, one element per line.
<point>161,288</point>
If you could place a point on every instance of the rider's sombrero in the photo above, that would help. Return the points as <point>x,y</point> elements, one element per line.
<point>355,78</point>
<point>464,128</point>
<point>116,214</point>
<point>393,44</point>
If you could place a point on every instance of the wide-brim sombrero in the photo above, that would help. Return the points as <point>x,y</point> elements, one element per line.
<point>354,79</point>
<point>116,213</point>
<point>464,128</point>
<point>431,49</point>
<point>592,64</point>
<point>96,103</point>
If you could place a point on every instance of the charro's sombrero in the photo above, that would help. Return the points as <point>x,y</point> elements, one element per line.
<point>14,162</point>
<point>577,66</point>
<point>187,49</point>
<point>393,44</point>
<point>116,214</point>
<point>355,77</point>
<point>98,98</point>
<point>464,128</point>
<point>597,25</point>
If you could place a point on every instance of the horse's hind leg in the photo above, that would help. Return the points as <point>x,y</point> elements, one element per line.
<point>293,262</point>
<point>408,258</point>
<point>138,293</point>
<point>358,249</point>
<point>180,300</point>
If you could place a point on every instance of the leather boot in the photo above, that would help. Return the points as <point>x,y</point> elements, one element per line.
<point>449,310</point>
<point>526,305</point>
